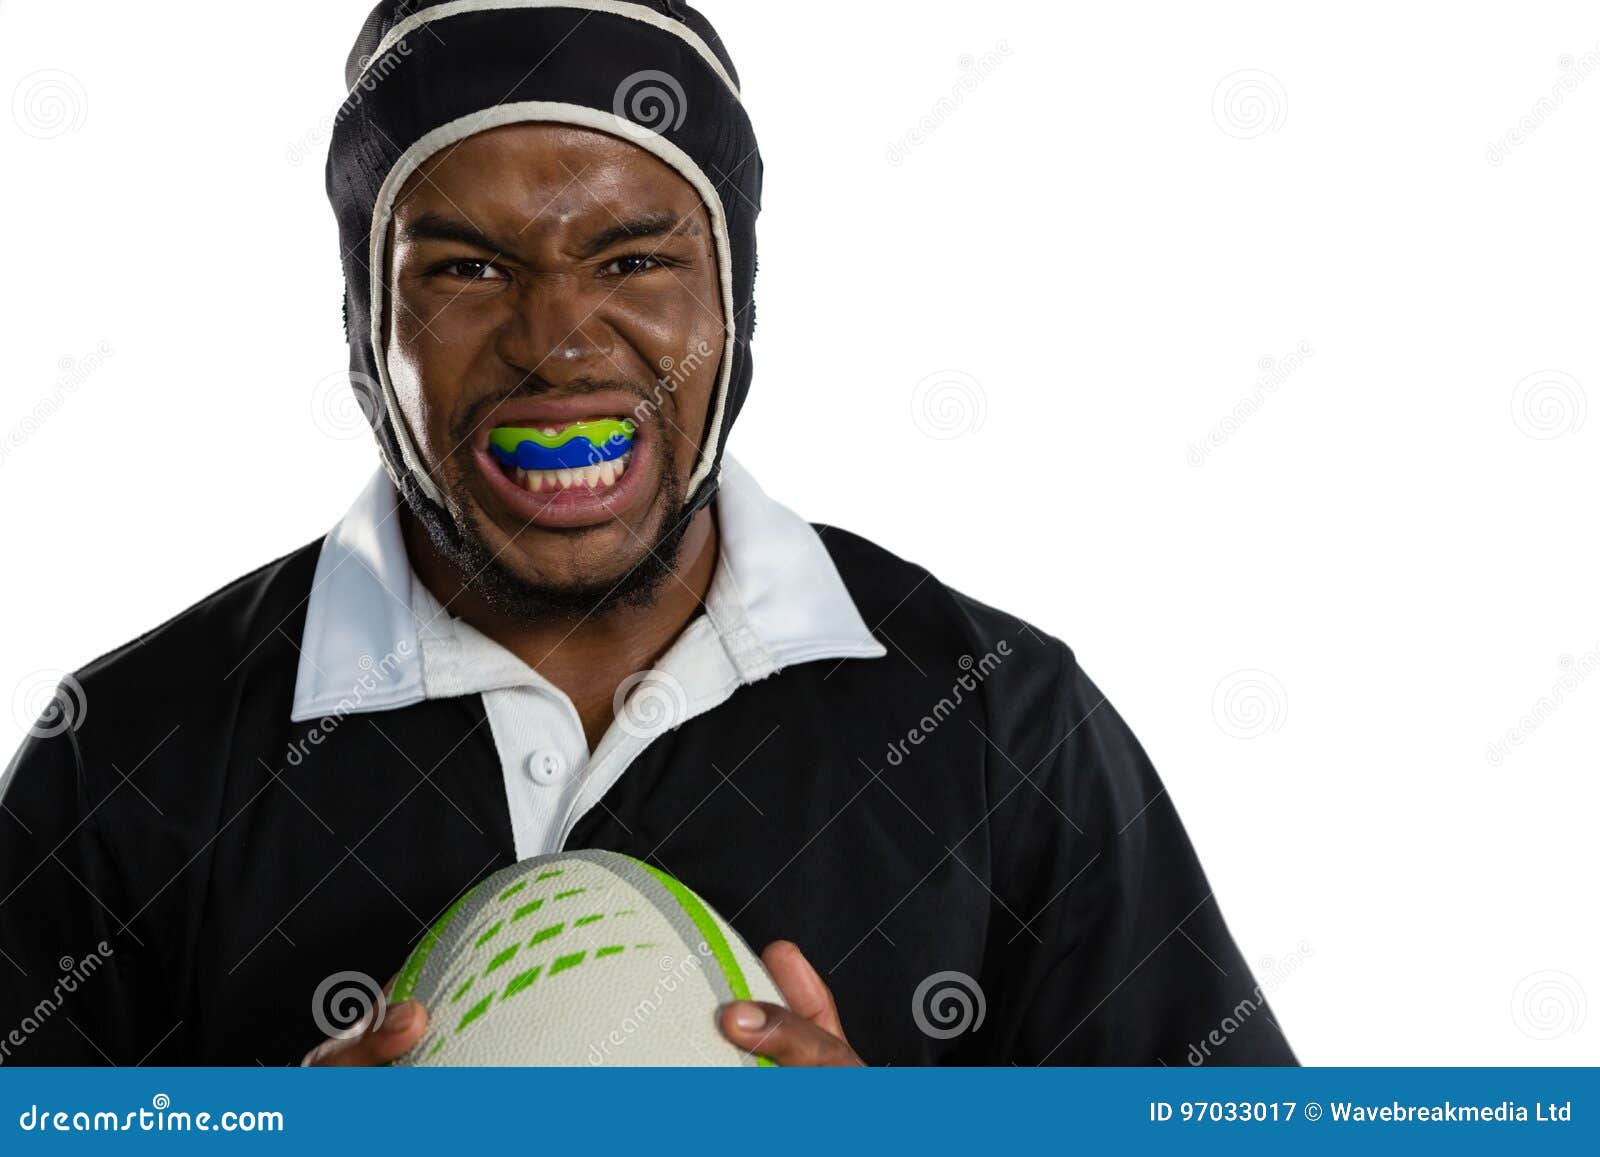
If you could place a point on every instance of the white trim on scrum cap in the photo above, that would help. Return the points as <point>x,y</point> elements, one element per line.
<point>572,114</point>
<point>637,12</point>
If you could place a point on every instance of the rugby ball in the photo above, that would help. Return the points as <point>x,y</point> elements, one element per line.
<point>580,958</point>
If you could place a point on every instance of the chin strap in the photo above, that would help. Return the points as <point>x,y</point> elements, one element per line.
<point>703,495</point>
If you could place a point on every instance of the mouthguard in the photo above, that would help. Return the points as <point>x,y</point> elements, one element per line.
<point>579,444</point>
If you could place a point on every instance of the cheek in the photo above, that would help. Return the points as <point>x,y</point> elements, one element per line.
<point>697,367</point>
<point>681,342</point>
<point>427,373</point>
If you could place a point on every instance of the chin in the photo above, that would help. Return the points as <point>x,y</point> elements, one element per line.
<point>580,571</point>
<point>531,571</point>
<point>532,593</point>
<point>542,572</point>
<point>585,554</point>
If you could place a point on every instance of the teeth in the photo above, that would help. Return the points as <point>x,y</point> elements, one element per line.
<point>594,477</point>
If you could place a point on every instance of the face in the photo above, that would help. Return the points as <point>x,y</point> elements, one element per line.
<point>542,276</point>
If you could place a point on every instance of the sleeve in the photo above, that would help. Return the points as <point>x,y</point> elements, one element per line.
<point>68,996</point>
<point>1106,944</point>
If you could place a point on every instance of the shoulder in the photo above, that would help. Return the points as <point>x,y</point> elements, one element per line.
<point>219,632</point>
<point>1026,684</point>
<point>901,598</point>
<point>186,672</point>
<point>1039,707</point>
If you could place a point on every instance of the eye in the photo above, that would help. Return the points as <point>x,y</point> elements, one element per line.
<point>473,269</point>
<point>633,263</point>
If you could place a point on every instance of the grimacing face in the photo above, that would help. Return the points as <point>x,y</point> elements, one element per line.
<point>541,275</point>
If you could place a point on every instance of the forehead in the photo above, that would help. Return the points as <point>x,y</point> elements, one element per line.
<point>540,178</point>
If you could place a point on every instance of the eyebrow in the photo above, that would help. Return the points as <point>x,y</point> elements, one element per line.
<point>645,225</point>
<point>436,227</point>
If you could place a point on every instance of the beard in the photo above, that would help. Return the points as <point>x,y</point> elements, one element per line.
<point>462,544</point>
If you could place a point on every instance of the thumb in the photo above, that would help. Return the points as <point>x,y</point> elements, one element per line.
<point>390,1032</point>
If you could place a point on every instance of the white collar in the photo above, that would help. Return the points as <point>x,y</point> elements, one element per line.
<point>776,599</point>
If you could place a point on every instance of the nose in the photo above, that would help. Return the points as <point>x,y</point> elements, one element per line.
<point>558,334</point>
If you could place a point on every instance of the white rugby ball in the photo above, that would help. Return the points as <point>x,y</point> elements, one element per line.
<point>580,958</point>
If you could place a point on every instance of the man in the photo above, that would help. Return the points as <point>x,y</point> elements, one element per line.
<point>954,848</point>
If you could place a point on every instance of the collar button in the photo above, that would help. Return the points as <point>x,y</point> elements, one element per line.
<point>546,767</point>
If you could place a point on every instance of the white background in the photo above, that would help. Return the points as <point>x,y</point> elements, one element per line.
<point>1318,622</point>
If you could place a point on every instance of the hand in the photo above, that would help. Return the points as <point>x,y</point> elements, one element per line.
<point>807,1033</point>
<point>387,1036</point>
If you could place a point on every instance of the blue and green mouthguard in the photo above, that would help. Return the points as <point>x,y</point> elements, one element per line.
<point>579,444</point>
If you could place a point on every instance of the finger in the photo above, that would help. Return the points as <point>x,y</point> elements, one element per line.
<point>802,987</point>
<point>785,1036</point>
<point>401,1028</point>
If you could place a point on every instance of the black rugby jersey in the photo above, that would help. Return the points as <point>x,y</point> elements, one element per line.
<point>970,803</point>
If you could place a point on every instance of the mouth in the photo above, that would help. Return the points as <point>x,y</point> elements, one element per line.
<point>561,467</point>
<point>591,453</point>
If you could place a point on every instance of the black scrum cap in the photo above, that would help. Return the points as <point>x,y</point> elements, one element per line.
<point>424,74</point>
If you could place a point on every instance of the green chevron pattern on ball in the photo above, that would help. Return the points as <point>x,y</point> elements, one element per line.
<point>582,957</point>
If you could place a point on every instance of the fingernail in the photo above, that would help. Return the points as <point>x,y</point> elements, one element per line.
<point>399,1017</point>
<point>749,1017</point>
